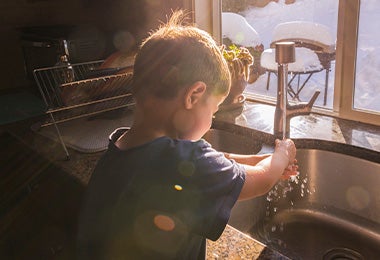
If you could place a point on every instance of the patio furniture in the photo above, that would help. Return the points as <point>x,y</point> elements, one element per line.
<point>315,50</point>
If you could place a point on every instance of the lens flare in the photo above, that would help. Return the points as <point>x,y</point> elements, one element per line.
<point>164,222</point>
<point>186,168</point>
<point>178,187</point>
<point>239,37</point>
<point>357,197</point>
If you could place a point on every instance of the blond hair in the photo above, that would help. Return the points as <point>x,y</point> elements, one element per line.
<point>176,56</point>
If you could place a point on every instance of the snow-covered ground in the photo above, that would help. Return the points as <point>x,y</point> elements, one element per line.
<point>325,12</point>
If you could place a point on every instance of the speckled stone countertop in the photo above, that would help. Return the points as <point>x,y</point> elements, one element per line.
<point>234,244</point>
<point>314,126</point>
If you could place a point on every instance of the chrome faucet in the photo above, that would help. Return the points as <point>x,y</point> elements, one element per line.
<point>285,53</point>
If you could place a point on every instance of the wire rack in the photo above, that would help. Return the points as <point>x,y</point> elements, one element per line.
<point>71,92</point>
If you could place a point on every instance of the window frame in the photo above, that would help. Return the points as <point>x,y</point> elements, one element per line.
<point>207,16</point>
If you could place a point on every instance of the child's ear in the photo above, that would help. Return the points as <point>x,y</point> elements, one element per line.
<point>194,93</point>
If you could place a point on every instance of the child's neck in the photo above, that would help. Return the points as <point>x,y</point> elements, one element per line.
<point>149,124</point>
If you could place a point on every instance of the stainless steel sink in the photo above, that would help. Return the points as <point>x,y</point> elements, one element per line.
<point>330,211</point>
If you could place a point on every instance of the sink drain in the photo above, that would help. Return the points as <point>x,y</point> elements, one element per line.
<point>342,254</point>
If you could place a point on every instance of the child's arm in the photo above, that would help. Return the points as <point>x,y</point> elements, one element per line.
<point>253,159</point>
<point>249,159</point>
<point>261,177</point>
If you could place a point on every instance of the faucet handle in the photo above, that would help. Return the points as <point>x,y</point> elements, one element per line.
<point>302,108</point>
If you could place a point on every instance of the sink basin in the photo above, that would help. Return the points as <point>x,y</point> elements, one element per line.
<point>330,211</point>
<point>225,141</point>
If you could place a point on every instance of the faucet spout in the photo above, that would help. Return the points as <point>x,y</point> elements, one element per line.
<point>284,111</point>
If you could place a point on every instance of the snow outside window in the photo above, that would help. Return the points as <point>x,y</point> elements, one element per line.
<point>367,80</point>
<point>252,26</point>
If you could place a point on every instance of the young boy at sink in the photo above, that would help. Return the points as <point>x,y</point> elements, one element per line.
<point>160,190</point>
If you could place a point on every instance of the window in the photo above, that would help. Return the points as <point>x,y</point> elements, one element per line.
<point>367,80</point>
<point>309,21</point>
<point>353,89</point>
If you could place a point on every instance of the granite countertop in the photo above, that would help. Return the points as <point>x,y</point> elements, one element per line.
<point>314,126</point>
<point>234,244</point>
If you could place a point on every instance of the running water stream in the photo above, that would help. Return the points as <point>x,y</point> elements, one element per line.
<point>285,98</point>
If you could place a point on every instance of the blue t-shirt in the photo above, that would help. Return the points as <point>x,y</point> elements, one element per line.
<point>159,200</point>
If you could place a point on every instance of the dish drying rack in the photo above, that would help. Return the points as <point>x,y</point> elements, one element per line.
<point>73,91</point>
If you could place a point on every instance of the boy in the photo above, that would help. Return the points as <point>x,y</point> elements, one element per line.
<point>160,189</point>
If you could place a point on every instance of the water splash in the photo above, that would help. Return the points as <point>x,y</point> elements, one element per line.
<point>282,195</point>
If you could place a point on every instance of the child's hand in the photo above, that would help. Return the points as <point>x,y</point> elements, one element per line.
<point>291,170</point>
<point>288,148</point>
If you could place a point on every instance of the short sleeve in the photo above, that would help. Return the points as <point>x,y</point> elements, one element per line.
<point>216,184</point>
